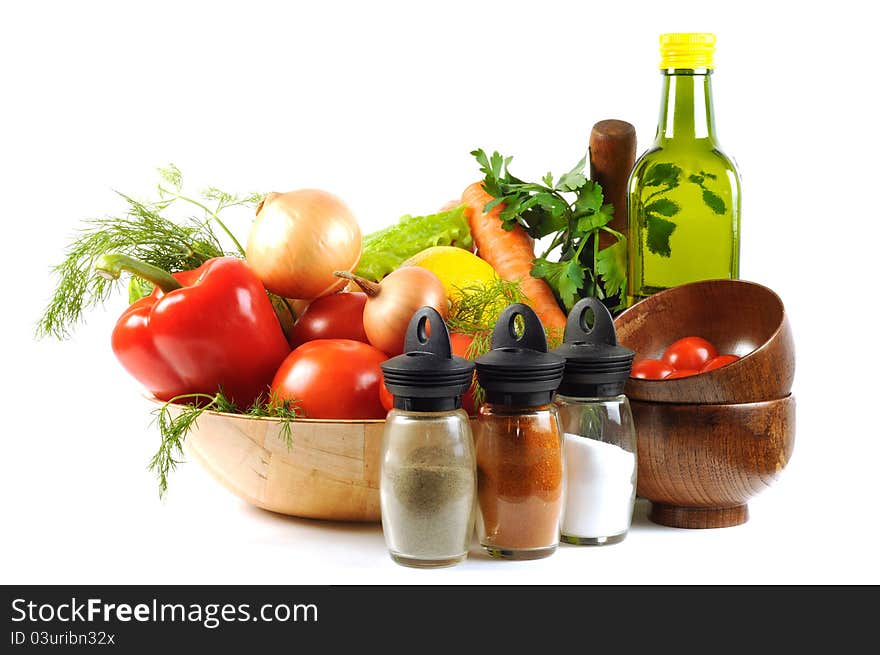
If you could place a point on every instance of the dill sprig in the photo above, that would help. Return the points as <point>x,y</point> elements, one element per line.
<point>174,424</point>
<point>284,409</point>
<point>173,179</point>
<point>474,312</point>
<point>178,416</point>
<point>476,308</point>
<point>141,231</point>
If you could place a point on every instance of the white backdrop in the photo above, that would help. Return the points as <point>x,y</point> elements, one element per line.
<point>380,103</point>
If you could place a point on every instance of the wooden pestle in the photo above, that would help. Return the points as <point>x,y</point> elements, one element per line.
<point>612,156</point>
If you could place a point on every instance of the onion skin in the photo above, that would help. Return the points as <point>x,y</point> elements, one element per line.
<point>392,302</point>
<point>299,239</point>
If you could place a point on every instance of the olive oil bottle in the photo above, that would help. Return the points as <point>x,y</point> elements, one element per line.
<point>683,196</point>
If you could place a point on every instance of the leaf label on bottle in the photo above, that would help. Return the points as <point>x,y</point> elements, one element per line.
<point>667,175</point>
<point>659,231</point>
<point>714,201</point>
<point>663,206</point>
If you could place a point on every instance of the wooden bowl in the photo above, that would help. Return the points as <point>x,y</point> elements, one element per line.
<point>740,318</point>
<point>331,471</point>
<point>699,465</point>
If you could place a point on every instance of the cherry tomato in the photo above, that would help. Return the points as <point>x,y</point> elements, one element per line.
<point>718,362</point>
<point>682,373</point>
<point>689,353</point>
<point>386,397</point>
<point>650,369</point>
<point>460,345</point>
<point>337,316</point>
<point>333,378</point>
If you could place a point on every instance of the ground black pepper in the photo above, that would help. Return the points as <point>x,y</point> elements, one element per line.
<point>432,503</point>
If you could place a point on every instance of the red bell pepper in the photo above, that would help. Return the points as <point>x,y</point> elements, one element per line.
<point>200,331</point>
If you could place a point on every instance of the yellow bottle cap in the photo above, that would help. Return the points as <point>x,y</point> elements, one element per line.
<point>687,50</point>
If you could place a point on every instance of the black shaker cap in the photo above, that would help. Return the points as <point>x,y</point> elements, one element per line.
<point>427,377</point>
<point>595,365</point>
<point>518,371</point>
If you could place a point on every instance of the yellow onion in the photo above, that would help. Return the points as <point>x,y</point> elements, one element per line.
<point>392,302</point>
<point>299,239</point>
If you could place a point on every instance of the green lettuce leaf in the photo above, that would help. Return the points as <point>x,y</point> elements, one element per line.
<point>388,248</point>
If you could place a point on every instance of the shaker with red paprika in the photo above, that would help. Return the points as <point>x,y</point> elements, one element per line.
<point>518,440</point>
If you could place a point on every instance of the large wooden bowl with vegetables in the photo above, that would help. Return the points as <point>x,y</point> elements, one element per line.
<point>266,368</point>
<point>310,468</point>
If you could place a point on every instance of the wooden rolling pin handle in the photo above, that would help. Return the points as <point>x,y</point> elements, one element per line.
<point>612,156</point>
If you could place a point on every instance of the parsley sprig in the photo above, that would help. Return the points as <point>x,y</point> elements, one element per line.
<point>570,211</point>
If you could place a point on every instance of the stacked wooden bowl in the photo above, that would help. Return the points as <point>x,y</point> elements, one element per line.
<point>709,443</point>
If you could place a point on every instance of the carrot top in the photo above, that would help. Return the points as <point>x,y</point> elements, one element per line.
<point>571,213</point>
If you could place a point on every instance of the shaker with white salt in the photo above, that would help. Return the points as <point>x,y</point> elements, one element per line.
<point>600,437</point>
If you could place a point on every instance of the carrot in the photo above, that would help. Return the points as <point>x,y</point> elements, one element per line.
<point>510,254</point>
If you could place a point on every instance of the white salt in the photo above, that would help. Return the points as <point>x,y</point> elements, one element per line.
<point>599,488</point>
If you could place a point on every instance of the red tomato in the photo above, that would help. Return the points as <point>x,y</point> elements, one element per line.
<point>718,362</point>
<point>689,353</point>
<point>460,345</point>
<point>650,369</point>
<point>333,378</point>
<point>682,373</point>
<point>337,316</point>
<point>386,397</point>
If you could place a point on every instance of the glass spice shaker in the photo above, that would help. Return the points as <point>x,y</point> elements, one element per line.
<point>428,467</point>
<point>600,437</point>
<point>520,488</point>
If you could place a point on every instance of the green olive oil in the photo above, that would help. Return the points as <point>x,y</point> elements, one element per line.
<point>684,192</point>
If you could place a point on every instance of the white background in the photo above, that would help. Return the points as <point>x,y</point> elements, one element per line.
<point>381,104</point>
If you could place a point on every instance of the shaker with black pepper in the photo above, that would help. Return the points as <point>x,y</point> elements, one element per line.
<point>428,467</point>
